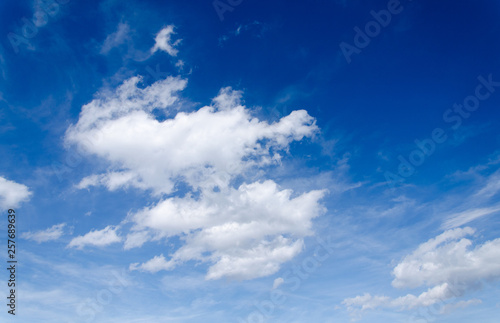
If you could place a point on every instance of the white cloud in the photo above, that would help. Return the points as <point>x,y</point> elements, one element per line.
<point>437,295</point>
<point>112,180</point>
<point>448,264</point>
<point>123,40</point>
<point>448,308</point>
<point>136,239</point>
<point>116,39</point>
<point>98,238</point>
<point>434,261</point>
<point>258,261</point>
<point>180,64</point>
<point>206,147</point>
<point>481,202</point>
<point>278,282</point>
<point>124,101</point>
<point>459,219</point>
<point>153,265</point>
<point>163,41</point>
<point>365,302</point>
<point>242,231</point>
<point>430,297</point>
<point>52,233</point>
<point>12,193</point>
<point>491,187</point>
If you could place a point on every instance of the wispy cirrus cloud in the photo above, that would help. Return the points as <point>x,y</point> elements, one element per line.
<point>50,234</point>
<point>117,38</point>
<point>458,219</point>
<point>481,201</point>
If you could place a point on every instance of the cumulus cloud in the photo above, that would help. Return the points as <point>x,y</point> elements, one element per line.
<point>163,41</point>
<point>52,233</point>
<point>97,238</point>
<point>12,193</point>
<point>243,230</point>
<point>449,265</point>
<point>205,147</point>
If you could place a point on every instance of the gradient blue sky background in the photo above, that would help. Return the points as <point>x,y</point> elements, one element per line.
<point>194,193</point>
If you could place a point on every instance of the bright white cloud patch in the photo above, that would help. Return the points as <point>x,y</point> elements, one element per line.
<point>163,41</point>
<point>97,238</point>
<point>153,265</point>
<point>448,264</point>
<point>244,232</point>
<point>12,193</point>
<point>242,229</point>
<point>52,233</point>
<point>206,147</point>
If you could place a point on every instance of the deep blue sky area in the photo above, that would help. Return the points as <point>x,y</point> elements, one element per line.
<point>258,136</point>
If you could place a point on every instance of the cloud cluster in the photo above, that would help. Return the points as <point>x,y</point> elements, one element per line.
<point>12,193</point>
<point>205,148</point>
<point>449,265</point>
<point>243,230</point>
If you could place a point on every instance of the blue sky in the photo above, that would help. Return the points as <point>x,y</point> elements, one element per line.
<point>251,161</point>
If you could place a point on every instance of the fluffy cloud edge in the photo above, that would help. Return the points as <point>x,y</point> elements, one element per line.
<point>163,41</point>
<point>96,238</point>
<point>12,194</point>
<point>207,149</point>
<point>449,264</point>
